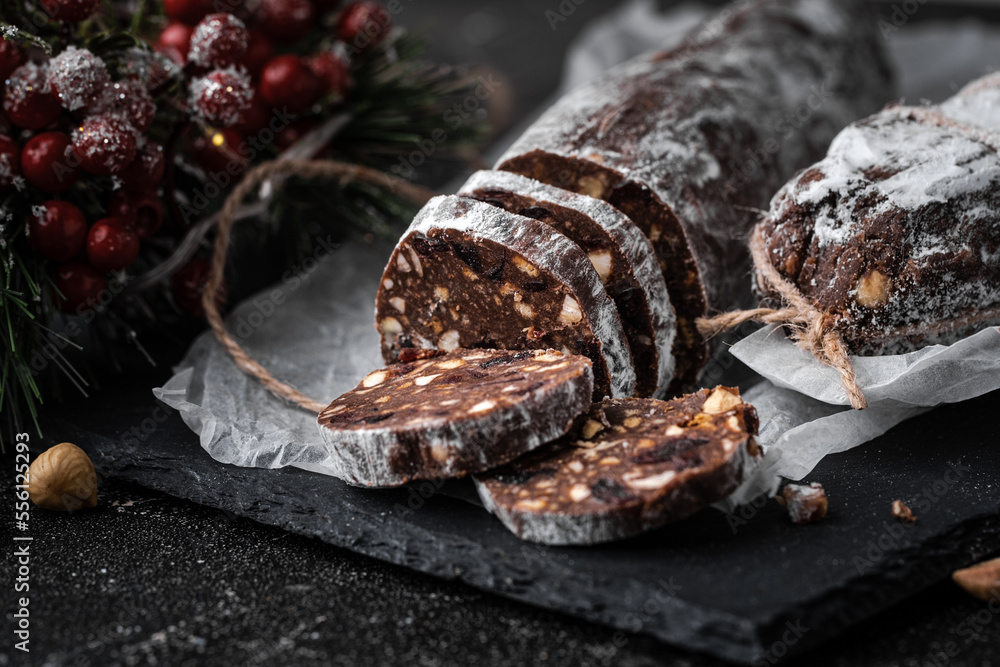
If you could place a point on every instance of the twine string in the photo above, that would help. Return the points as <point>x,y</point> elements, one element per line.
<point>811,329</point>
<point>309,169</point>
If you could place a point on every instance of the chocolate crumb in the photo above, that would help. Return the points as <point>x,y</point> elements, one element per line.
<point>806,503</point>
<point>902,512</point>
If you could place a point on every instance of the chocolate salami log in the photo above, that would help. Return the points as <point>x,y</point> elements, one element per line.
<point>445,416</point>
<point>620,253</point>
<point>895,235</point>
<point>467,274</point>
<point>684,141</point>
<point>634,465</point>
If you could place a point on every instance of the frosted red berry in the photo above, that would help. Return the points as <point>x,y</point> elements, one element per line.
<point>81,286</point>
<point>187,11</point>
<point>219,40</point>
<point>332,69</point>
<point>70,11</point>
<point>112,245</point>
<point>28,99</point>
<point>11,58</point>
<point>105,144</point>
<point>142,210</point>
<point>49,163</point>
<point>57,230</point>
<point>130,99</point>
<point>363,25</point>
<point>146,170</point>
<point>221,97</point>
<point>286,82</point>
<point>188,285</point>
<point>286,20</point>
<point>77,77</point>
<point>10,162</point>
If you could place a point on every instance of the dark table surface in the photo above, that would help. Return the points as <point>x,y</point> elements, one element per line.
<point>150,579</point>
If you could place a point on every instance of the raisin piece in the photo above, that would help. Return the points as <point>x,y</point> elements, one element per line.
<point>682,452</point>
<point>468,255</point>
<point>376,418</point>
<point>537,213</point>
<point>505,359</point>
<point>609,491</point>
<point>425,246</point>
<point>534,286</point>
<point>408,354</point>
<point>518,477</point>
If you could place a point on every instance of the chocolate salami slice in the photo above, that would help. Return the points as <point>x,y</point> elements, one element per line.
<point>688,142</point>
<point>620,253</point>
<point>633,465</point>
<point>444,415</point>
<point>895,235</point>
<point>467,274</point>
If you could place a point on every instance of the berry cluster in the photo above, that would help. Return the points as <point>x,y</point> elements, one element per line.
<point>75,126</point>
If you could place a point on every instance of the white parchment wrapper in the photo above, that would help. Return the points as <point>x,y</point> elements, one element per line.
<point>321,337</point>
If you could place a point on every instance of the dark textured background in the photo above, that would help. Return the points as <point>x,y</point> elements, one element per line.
<point>147,578</point>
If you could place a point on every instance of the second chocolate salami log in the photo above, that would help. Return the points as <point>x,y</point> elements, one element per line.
<point>684,141</point>
<point>467,274</point>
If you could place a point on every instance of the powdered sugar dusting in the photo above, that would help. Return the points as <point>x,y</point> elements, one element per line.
<point>77,76</point>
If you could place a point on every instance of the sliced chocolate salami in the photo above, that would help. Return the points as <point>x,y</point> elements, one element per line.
<point>620,253</point>
<point>689,141</point>
<point>467,274</point>
<point>631,466</point>
<point>446,415</point>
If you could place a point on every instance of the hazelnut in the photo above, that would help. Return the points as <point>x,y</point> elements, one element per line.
<point>722,399</point>
<point>62,478</point>
<point>981,581</point>
<point>873,289</point>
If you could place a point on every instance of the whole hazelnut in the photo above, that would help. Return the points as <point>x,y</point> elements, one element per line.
<point>63,479</point>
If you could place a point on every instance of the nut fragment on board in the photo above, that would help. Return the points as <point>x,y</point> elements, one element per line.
<point>806,503</point>
<point>902,512</point>
<point>63,479</point>
<point>982,580</point>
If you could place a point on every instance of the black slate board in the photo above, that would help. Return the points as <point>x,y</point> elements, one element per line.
<point>745,590</point>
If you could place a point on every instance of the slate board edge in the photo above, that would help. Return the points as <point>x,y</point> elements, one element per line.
<point>709,631</point>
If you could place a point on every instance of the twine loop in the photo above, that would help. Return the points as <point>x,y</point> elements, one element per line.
<point>342,171</point>
<point>811,328</point>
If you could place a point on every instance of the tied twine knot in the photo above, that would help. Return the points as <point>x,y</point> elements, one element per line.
<point>811,328</point>
<point>341,171</point>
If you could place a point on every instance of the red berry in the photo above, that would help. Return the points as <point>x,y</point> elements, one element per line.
<point>187,11</point>
<point>10,58</point>
<point>175,42</point>
<point>48,162</point>
<point>188,286</point>
<point>332,69</point>
<point>28,100</point>
<point>81,286</point>
<point>146,170</point>
<point>286,20</point>
<point>219,40</point>
<point>57,230</point>
<point>363,25</point>
<point>77,77</point>
<point>129,98</point>
<point>259,51</point>
<point>112,244</point>
<point>219,151</point>
<point>104,143</point>
<point>221,97</point>
<point>142,210</point>
<point>71,11</point>
<point>10,162</point>
<point>286,81</point>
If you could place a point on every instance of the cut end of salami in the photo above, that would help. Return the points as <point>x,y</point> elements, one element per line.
<point>632,465</point>
<point>452,414</point>
<point>471,275</point>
